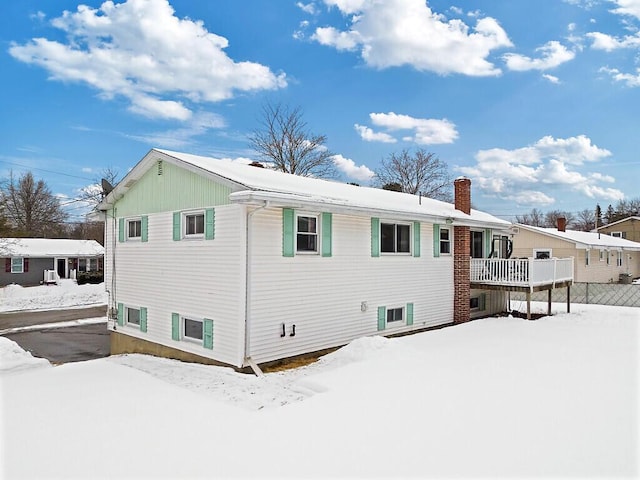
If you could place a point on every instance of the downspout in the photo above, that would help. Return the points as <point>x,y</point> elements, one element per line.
<point>247,301</point>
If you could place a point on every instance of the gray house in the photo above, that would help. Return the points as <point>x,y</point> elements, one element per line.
<point>26,259</point>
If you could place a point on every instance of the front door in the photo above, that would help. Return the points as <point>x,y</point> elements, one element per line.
<point>61,267</point>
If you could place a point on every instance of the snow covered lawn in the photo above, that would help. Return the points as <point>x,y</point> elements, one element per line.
<point>494,397</point>
<point>67,294</point>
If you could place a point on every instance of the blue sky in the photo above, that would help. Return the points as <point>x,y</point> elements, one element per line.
<point>536,100</point>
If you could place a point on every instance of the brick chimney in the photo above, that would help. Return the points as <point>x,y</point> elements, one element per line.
<point>462,254</point>
<point>562,224</point>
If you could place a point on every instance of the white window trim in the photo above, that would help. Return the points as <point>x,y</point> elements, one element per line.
<point>21,265</point>
<point>317,234</point>
<point>450,241</point>
<point>195,236</point>
<point>616,234</point>
<point>541,250</point>
<point>394,323</point>
<point>194,318</point>
<point>126,316</point>
<point>127,222</point>
<point>396,253</point>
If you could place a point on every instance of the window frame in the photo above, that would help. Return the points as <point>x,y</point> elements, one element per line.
<point>130,221</point>
<point>587,257</point>
<point>617,234</point>
<point>187,338</point>
<point>395,225</point>
<point>15,270</point>
<point>447,242</point>
<point>392,311</point>
<point>127,322</point>
<point>536,251</point>
<point>317,234</point>
<point>474,303</point>
<point>185,224</point>
<point>619,258</point>
<point>601,254</point>
<point>472,251</point>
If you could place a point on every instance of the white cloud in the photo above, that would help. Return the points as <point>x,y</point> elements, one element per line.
<point>552,53</point>
<point>350,169</point>
<point>551,78</point>
<point>427,131</point>
<point>602,41</point>
<point>198,124</point>
<point>140,50</point>
<point>529,175</point>
<point>369,135</point>
<point>627,7</point>
<point>632,80</point>
<point>309,8</point>
<point>87,170</point>
<point>395,33</point>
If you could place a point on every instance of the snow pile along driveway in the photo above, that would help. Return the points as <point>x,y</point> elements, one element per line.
<point>67,294</point>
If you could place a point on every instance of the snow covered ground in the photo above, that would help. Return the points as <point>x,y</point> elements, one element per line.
<point>67,294</point>
<point>556,397</point>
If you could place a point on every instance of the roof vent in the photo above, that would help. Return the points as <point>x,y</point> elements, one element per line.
<point>159,167</point>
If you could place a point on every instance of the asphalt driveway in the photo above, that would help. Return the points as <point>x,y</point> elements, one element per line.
<point>58,344</point>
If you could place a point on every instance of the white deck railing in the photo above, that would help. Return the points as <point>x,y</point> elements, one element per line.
<point>521,272</point>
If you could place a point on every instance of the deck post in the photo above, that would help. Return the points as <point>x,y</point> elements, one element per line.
<point>549,302</point>
<point>528,304</point>
<point>568,298</point>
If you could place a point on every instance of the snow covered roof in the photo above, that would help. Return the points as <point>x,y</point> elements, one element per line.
<point>584,240</point>
<point>619,221</point>
<point>252,185</point>
<point>49,247</point>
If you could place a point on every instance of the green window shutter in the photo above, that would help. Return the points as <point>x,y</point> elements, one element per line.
<point>121,229</point>
<point>143,319</point>
<point>175,326</point>
<point>144,227</point>
<point>488,242</point>
<point>177,234</point>
<point>288,232</point>
<point>416,239</point>
<point>120,314</point>
<point>436,240</point>
<point>207,337</point>
<point>375,237</point>
<point>382,318</point>
<point>409,313</point>
<point>209,224</point>
<point>327,220</point>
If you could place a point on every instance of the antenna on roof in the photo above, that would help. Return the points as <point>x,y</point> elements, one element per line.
<point>106,187</point>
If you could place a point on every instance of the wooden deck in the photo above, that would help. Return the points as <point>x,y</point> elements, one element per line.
<point>523,275</point>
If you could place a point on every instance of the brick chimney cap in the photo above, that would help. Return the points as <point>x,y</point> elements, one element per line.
<point>462,179</point>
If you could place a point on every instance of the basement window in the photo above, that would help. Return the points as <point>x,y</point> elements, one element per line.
<point>395,315</point>
<point>132,316</point>
<point>192,329</point>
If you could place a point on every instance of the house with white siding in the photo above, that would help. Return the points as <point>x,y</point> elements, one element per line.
<point>222,262</point>
<point>598,257</point>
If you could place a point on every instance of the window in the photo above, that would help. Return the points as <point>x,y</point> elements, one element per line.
<point>476,244</point>
<point>307,233</point>
<point>395,314</point>
<point>194,224</point>
<point>395,238</point>
<point>542,253</point>
<point>587,260</point>
<point>619,259</point>
<point>608,257</point>
<point>134,229</point>
<point>132,316</point>
<point>82,264</point>
<point>479,302</point>
<point>192,328</point>
<point>17,265</point>
<point>619,234</point>
<point>474,303</point>
<point>445,241</point>
<point>602,252</point>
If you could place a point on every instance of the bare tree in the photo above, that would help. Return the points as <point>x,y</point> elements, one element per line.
<point>284,141</point>
<point>421,172</point>
<point>534,218</point>
<point>93,194</point>
<point>551,218</point>
<point>586,220</point>
<point>30,208</point>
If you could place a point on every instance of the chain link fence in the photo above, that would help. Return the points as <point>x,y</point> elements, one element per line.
<point>594,293</point>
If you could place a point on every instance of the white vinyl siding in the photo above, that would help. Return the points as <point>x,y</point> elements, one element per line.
<point>202,278</point>
<point>332,301</point>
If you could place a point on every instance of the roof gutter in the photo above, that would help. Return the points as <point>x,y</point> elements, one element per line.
<point>290,200</point>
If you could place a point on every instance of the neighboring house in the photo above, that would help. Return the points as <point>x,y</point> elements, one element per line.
<point>627,228</point>
<point>598,257</point>
<point>26,259</point>
<point>222,262</point>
